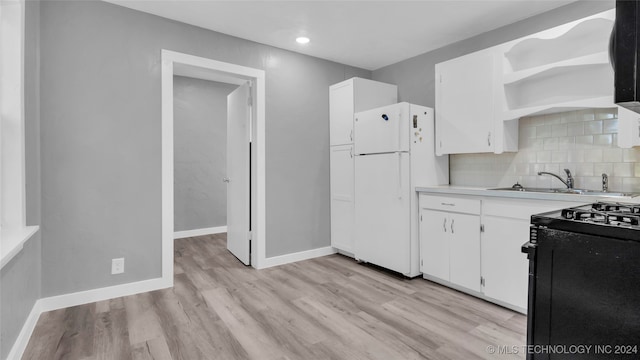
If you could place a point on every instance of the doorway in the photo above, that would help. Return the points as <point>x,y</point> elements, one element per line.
<point>174,63</point>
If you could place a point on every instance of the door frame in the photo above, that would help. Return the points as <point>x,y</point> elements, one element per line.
<point>175,63</point>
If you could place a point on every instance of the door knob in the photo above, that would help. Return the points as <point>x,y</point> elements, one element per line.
<point>225,179</point>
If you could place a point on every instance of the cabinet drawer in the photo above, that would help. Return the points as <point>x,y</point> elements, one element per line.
<point>450,203</point>
<point>520,209</point>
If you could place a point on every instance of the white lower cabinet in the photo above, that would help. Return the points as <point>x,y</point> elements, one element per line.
<point>450,240</point>
<point>472,243</point>
<point>505,268</point>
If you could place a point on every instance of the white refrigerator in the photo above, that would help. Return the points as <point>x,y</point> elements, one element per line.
<point>394,152</point>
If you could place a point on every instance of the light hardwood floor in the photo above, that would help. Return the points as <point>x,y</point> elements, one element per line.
<point>325,308</point>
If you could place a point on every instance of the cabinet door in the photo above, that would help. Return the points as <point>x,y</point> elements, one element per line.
<point>341,114</point>
<point>465,104</point>
<point>464,246</point>
<point>504,268</point>
<point>628,128</point>
<point>342,194</point>
<point>434,243</point>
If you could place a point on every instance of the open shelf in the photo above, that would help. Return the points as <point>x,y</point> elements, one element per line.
<point>585,38</point>
<point>591,59</point>
<point>559,85</point>
<point>576,104</point>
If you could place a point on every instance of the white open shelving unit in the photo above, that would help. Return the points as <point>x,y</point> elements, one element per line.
<point>563,68</point>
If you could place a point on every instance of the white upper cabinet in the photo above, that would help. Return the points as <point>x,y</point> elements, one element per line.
<point>465,89</point>
<point>351,96</point>
<point>628,128</point>
<point>481,96</point>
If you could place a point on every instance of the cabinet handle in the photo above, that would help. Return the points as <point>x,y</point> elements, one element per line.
<point>351,153</point>
<point>447,204</point>
<point>452,220</point>
<point>444,225</point>
<point>489,138</point>
<point>351,135</point>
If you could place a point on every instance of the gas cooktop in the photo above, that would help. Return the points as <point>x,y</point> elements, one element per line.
<point>612,219</point>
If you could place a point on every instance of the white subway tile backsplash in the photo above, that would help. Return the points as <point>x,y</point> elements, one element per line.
<point>631,184</point>
<point>583,169</point>
<point>527,132</point>
<point>630,155</point>
<point>559,156</point>
<point>585,115</point>
<point>566,143</point>
<point>612,155</point>
<point>583,141</point>
<point>593,127</point>
<point>558,130</point>
<point>603,140</point>
<point>606,114</point>
<point>602,168</point>
<point>576,156</point>
<point>543,156</point>
<point>575,128</point>
<point>550,144</point>
<point>610,126</point>
<point>623,170</point>
<point>543,131</point>
<point>553,119</point>
<point>593,155</point>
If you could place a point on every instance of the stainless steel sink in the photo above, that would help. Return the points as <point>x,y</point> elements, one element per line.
<point>568,191</point>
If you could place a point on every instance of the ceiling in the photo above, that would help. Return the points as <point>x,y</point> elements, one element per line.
<point>366,34</point>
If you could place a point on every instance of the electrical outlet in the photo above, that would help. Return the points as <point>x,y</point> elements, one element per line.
<point>117,266</point>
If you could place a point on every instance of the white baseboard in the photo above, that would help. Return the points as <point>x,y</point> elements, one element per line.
<point>299,256</point>
<point>79,298</point>
<point>199,232</point>
<point>111,292</point>
<point>20,345</point>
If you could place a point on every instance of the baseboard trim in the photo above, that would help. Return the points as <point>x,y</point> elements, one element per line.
<point>79,298</point>
<point>20,345</point>
<point>111,292</point>
<point>299,256</point>
<point>199,232</point>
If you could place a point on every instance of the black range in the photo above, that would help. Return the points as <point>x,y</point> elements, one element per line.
<point>584,283</point>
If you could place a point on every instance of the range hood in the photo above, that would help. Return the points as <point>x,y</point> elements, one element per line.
<point>623,51</point>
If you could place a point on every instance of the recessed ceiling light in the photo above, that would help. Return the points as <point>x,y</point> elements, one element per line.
<point>302,40</point>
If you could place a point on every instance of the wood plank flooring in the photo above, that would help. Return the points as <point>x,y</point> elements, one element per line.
<point>325,308</point>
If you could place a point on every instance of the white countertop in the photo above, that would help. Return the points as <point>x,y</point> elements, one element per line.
<point>481,191</point>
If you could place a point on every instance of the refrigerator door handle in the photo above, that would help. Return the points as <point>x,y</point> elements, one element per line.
<point>399,175</point>
<point>399,130</point>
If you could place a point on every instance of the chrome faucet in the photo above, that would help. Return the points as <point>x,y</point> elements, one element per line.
<point>605,182</point>
<point>568,183</point>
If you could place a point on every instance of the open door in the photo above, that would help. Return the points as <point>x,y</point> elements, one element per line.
<point>238,176</point>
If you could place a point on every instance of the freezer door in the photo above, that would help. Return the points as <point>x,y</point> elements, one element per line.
<point>382,211</point>
<point>382,130</point>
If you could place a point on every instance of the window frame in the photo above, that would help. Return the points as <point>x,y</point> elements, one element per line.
<point>13,229</point>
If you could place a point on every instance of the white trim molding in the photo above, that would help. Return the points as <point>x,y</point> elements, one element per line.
<point>74,299</point>
<point>299,256</point>
<point>111,292</point>
<point>20,345</point>
<point>199,232</point>
<point>13,242</point>
<point>175,63</point>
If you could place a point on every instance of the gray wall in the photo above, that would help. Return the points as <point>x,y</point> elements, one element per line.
<point>200,150</point>
<point>415,76</point>
<point>20,278</point>
<point>100,106</point>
